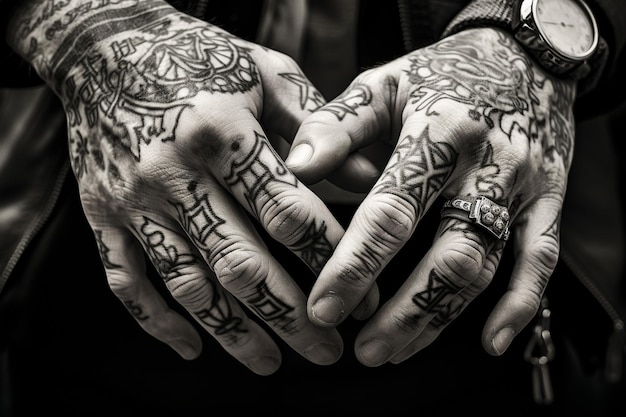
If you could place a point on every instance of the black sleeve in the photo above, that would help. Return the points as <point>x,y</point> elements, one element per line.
<point>17,72</point>
<point>610,91</point>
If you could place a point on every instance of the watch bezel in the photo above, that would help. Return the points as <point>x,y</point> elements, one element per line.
<point>527,31</point>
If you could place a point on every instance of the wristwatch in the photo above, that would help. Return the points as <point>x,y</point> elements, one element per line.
<point>562,35</point>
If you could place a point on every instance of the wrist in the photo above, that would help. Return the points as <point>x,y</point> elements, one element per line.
<point>560,35</point>
<point>55,40</point>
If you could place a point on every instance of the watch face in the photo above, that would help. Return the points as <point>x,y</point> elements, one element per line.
<point>567,26</point>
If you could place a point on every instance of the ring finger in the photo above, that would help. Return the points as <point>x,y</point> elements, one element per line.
<point>459,265</point>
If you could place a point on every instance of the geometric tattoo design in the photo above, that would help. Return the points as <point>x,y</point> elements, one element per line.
<point>369,260</point>
<point>170,264</point>
<point>313,247</point>
<point>357,95</point>
<point>308,93</point>
<point>487,183</point>
<point>199,220</point>
<point>440,297</point>
<point>259,181</point>
<point>165,257</point>
<point>220,316</point>
<point>418,168</point>
<point>271,309</point>
<point>104,251</point>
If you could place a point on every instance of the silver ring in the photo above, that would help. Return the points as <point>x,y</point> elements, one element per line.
<point>481,211</point>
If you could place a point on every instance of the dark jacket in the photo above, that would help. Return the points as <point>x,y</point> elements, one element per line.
<point>592,232</point>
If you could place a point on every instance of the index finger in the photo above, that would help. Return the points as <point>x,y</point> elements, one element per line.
<point>291,213</point>
<point>417,170</point>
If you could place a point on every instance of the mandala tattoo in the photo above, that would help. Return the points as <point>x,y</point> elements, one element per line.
<point>455,71</point>
<point>135,91</point>
<point>494,91</point>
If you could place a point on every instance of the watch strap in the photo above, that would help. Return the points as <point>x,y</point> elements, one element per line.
<point>499,14</point>
<point>480,13</point>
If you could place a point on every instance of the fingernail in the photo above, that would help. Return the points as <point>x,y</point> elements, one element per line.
<point>264,365</point>
<point>299,155</point>
<point>328,309</point>
<point>502,339</point>
<point>184,349</point>
<point>323,353</point>
<point>374,352</point>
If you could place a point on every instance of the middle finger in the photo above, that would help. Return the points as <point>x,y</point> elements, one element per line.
<point>244,266</point>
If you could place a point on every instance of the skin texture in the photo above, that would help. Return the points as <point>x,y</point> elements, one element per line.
<point>171,128</point>
<point>169,123</point>
<point>469,115</point>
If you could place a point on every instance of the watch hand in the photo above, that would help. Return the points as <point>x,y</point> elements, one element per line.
<point>558,24</point>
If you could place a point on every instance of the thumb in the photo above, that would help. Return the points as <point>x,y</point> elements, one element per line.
<point>328,144</point>
<point>312,162</point>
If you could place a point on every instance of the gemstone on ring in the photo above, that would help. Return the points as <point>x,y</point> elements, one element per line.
<point>484,212</point>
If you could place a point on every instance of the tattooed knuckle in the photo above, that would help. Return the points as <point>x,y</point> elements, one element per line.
<point>459,260</point>
<point>287,220</point>
<point>354,273</point>
<point>190,290</point>
<point>241,270</point>
<point>392,220</point>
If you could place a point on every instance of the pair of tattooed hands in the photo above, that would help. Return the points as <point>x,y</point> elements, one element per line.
<point>170,124</point>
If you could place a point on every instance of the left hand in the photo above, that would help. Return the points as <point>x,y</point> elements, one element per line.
<point>471,115</point>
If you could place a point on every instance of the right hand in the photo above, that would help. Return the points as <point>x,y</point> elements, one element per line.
<point>164,116</point>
